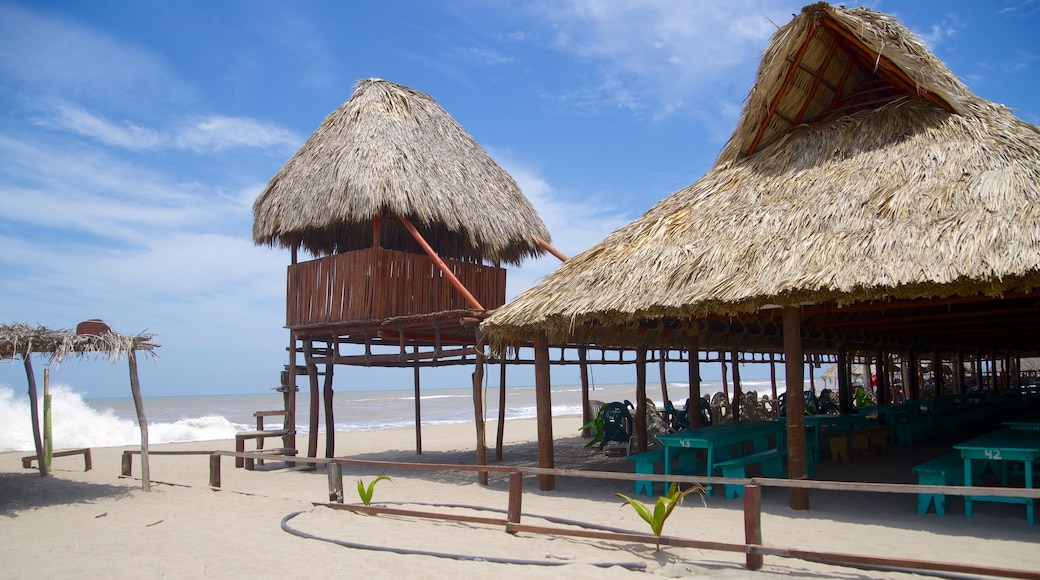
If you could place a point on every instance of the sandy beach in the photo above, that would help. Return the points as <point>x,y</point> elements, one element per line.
<point>99,524</point>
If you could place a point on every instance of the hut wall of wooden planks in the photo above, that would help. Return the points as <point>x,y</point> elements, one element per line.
<point>377,283</point>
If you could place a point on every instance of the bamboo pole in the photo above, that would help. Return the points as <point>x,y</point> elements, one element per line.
<point>142,422</point>
<point>34,414</point>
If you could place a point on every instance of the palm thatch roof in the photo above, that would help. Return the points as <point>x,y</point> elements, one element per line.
<point>21,339</point>
<point>861,171</point>
<point>393,151</point>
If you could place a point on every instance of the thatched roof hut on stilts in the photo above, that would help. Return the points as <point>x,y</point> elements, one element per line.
<point>410,221</point>
<point>867,202</point>
<point>92,337</point>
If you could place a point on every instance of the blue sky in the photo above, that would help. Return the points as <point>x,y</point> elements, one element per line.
<point>135,135</point>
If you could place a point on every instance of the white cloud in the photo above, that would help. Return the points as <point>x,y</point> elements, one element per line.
<point>657,55</point>
<point>204,135</point>
<point>60,57</point>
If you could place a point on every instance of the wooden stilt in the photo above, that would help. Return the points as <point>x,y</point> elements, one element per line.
<point>418,402</point>
<point>312,376</point>
<point>289,396</point>
<point>797,464</point>
<point>478,412</point>
<point>543,406</point>
<point>640,415</point>
<point>501,433</point>
<point>330,421</point>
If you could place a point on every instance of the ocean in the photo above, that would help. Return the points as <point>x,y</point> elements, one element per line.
<point>97,422</point>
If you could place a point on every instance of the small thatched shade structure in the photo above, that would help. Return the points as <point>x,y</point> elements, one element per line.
<point>93,338</point>
<point>393,151</point>
<point>863,172</point>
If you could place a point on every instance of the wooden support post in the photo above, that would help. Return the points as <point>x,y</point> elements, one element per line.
<point>478,412</point>
<point>127,466</point>
<point>34,413</point>
<point>516,497</point>
<point>586,408</point>
<point>543,407</point>
<point>937,368</point>
<point>753,524</point>
<point>501,427</point>
<point>910,384</point>
<point>664,379</point>
<point>844,386</point>
<point>737,393</point>
<point>881,372</point>
<point>693,410</point>
<point>214,470</point>
<point>142,422</point>
<point>772,384</point>
<point>797,464</point>
<point>640,415</point>
<point>958,372</point>
<point>335,482</point>
<point>328,395</point>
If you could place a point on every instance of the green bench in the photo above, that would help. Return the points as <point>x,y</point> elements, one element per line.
<point>946,469</point>
<point>771,460</point>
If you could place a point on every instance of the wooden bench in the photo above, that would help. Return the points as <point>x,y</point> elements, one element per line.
<point>260,435</point>
<point>88,463</point>
<point>771,460</point>
<point>645,463</point>
<point>946,469</point>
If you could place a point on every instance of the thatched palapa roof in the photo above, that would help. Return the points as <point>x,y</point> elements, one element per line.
<point>20,339</point>
<point>861,170</point>
<point>393,151</point>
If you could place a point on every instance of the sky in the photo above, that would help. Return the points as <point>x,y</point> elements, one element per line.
<point>135,136</point>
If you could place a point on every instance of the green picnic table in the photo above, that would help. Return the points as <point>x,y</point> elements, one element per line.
<point>718,440</point>
<point>1002,446</point>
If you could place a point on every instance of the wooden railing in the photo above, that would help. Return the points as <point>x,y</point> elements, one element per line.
<point>377,283</point>
<point>753,546</point>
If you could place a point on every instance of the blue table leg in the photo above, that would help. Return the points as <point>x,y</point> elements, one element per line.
<point>967,483</point>
<point>1029,485</point>
<point>710,468</point>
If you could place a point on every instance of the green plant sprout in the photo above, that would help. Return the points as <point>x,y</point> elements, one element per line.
<point>662,509</point>
<point>366,493</point>
<point>596,427</point>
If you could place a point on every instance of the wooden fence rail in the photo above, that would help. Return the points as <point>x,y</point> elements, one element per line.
<point>753,548</point>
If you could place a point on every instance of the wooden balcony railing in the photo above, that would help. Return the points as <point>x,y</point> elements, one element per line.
<point>377,283</point>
